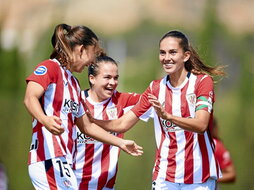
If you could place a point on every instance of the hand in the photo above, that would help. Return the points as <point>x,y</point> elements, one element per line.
<point>159,109</point>
<point>53,125</point>
<point>131,148</point>
<point>88,113</point>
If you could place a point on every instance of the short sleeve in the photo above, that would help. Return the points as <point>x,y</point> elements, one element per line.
<point>222,155</point>
<point>143,105</point>
<point>205,94</point>
<point>45,73</point>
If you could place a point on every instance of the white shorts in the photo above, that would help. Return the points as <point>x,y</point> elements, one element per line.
<point>160,184</point>
<point>55,173</point>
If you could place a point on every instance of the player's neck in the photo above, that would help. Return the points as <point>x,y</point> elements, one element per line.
<point>93,95</point>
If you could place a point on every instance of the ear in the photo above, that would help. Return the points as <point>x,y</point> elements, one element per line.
<point>186,56</point>
<point>81,50</point>
<point>91,79</point>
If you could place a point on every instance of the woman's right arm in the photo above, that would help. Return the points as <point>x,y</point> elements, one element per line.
<point>120,125</point>
<point>33,93</point>
<point>128,120</point>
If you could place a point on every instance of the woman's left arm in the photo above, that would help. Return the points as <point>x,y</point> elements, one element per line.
<point>197,124</point>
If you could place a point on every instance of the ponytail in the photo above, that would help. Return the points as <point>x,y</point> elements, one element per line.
<point>65,38</point>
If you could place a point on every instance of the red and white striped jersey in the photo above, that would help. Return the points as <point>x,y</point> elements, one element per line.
<point>95,163</point>
<point>182,156</point>
<point>222,154</point>
<point>62,99</point>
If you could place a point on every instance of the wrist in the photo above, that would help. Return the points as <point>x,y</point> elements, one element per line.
<point>169,117</point>
<point>42,120</point>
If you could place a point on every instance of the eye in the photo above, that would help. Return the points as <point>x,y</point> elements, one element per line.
<point>162,52</point>
<point>173,52</point>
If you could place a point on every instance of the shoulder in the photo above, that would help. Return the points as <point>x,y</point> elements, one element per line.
<point>204,78</point>
<point>156,83</point>
<point>45,67</point>
<point>219,146</point>
<point>124,95</point>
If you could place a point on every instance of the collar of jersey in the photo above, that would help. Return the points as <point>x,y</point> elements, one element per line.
<point>181,85</point>
<point>90,100</point>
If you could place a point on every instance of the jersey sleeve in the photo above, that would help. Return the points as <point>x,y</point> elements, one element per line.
<point>81,111</point>
<point>132,99</point>
<point>205,94</point>
<point>222,155</point>
<point>82,106</point>
<point>143,108</point>
<point>44,73</point>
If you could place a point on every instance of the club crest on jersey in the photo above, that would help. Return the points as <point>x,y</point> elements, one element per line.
<point>112,113</point>
<point>191,98</point>
<point>168,126</point>
<point>67,183</point>
<point>41,70</point>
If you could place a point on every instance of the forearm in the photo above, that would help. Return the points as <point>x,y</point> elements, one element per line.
<point>120,125</point>
<point>197,124</point>
<point>101,135</point>
<point>190,124</point>
<point>33,106</point>
<point>228,175</point>
<point>110,125</point>
<point>96,132</point>
<point>227,178</point>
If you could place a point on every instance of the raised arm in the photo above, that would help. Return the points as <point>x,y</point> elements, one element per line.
<point>99,134</point>
<point>34,91</point>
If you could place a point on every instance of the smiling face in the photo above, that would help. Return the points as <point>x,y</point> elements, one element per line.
<point>105,82</point>
<point>83,57</point>
<point>172,56</point>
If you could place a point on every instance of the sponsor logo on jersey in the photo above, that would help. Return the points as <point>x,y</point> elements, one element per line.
<point>70,106</point>
<point>41,70</point>
<point>112,113</point>
<point>168,126</point>
<point>34,145</point>
<point>85,139</point>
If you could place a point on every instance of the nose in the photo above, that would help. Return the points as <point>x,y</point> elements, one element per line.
<point>113,81</point>
<point>167,56</point>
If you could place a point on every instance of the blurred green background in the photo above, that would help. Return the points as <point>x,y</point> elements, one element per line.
<point>222,31</point>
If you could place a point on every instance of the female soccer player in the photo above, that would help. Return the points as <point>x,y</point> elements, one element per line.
<point>223,156</point>
<point>53,99</point>
<point>183,105</point>
<point>95,164</point>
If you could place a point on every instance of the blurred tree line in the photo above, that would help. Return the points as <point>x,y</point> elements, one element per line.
<point>216,44</point>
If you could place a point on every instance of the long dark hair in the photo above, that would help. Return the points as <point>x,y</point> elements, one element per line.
<point>65,38</point>
<point>194,64</point>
